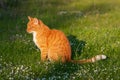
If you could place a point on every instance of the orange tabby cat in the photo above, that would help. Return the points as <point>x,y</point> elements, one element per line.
<point>53,44</point>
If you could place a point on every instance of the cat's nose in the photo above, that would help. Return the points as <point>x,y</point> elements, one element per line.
<point>27,30</point>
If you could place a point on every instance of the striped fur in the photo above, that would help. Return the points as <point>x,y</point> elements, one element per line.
<point>53,44</point>
<point>91,60</point>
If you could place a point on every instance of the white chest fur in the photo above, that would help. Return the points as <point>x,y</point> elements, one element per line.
<point>34,38</point>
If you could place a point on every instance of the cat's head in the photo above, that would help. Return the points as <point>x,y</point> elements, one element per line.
<point>33,25</point>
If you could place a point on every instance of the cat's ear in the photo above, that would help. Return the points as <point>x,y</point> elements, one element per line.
<point>29,18</point>
<point>36,21</point>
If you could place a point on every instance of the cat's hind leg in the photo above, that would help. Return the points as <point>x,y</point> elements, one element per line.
<point>55,56</point>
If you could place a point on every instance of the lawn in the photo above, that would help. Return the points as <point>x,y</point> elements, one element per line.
<point>92,27</point>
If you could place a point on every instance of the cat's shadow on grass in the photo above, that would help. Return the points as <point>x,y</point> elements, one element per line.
<point>76,45</point>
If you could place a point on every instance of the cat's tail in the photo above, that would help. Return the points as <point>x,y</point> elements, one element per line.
<point>91,60</point>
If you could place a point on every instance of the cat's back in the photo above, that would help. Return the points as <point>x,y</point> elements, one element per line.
<point>57,37</point>
<point>57,34</point>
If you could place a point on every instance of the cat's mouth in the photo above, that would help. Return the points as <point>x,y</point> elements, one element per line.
<point>28,31</point>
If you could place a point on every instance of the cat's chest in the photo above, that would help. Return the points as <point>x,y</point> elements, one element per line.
<point>35,38</point>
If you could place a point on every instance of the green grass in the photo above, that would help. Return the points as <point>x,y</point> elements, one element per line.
<point>95,25</point>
